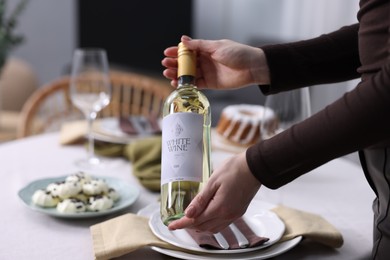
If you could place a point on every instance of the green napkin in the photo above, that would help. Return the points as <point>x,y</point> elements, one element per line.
<point>144,155</point>
<point>108,149</point>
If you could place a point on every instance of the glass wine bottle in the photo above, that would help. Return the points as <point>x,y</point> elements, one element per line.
<point>185,164</point>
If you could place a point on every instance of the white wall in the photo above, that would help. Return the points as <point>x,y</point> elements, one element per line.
<point>279,20</point>
<point>275,19</point>
<point>312,18</point>
<point>237,20</point>
<point>254,21</point>
<point>306,18</point>
<point>48,26</point>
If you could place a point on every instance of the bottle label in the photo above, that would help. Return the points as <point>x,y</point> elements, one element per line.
<point>182,147</point>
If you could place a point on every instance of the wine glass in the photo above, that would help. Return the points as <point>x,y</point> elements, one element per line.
<point>286,109</point>
<point>282,110</point>
<point>90,91</point>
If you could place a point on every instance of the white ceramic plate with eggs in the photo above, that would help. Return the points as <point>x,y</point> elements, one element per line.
<point>128,195</point>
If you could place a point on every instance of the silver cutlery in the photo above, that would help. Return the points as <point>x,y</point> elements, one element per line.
<point>221,241</point>
<point>241,239</point>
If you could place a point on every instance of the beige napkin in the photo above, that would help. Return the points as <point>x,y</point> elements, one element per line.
<point>308,225</point>
<point>73,132</point>
<point>129,232</point>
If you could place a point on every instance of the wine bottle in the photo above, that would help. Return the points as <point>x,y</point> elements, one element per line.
<point>185,160</point>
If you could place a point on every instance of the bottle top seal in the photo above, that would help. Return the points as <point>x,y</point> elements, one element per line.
<point>186,61</point>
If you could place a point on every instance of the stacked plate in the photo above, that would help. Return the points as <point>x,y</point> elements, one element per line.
<point>261,220</point>
<point>125,130</point>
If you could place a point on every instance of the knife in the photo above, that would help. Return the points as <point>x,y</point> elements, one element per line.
<point>241,239</point>
<point>221,241</point>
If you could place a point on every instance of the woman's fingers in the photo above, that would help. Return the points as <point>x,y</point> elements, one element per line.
<point>210,220</point>
<point>170,73</point>
<point>169,62</point>
<point>171,51</point>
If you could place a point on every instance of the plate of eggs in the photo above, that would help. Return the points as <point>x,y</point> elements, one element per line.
<point>79,195</point>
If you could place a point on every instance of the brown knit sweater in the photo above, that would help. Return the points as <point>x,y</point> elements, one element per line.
<point>358,120</point>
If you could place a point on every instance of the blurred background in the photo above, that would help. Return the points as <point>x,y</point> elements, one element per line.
<point>136,32</point>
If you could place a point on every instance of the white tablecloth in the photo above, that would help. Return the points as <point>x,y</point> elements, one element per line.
<point>338,191</point>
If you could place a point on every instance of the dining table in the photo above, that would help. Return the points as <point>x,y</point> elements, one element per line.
<point>337,191</point>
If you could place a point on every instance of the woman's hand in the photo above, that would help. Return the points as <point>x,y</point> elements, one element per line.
<point>225,197</point>
<point>222,64</point>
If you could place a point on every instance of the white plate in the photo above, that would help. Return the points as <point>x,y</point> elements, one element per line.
<point>272,251</point>
<point>128,195</point>
<point>262,221</point>
<point>108,130</point>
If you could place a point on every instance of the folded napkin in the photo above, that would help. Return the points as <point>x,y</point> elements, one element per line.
<point>145,157</point>
<point>73,132</point>
<point>207,240</point>
<point>129,232</point>
<point>308,225</point>
<point>144,153</point>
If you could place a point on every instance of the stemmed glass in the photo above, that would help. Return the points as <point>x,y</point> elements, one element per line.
<point>90,91</point>
<point>283,110</point>
<point>289,108</point>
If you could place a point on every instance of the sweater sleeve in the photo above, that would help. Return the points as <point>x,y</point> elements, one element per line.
<point>357,120</point>
<point>328,58</point>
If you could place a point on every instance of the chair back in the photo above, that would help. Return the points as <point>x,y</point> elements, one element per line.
<point>132,94</point>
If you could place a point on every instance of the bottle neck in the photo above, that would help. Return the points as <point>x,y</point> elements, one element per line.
<point>186,66</point>
<point>186,80</point>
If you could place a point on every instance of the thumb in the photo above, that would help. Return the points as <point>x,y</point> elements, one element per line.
<point>198,44</point>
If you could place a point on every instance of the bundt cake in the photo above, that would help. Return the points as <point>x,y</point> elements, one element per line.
<point>240,124</point>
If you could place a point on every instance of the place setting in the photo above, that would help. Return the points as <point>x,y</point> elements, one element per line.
<point>264,231</point>
<point>125,129</point>
<point>249,236</point>
<point>107,126</point>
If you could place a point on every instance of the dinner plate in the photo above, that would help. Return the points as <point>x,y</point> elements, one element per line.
<point>265,253</point>
<point>262,221</point>
<point>128,195</point>
<point>108,130</point>
<point>271,251</point>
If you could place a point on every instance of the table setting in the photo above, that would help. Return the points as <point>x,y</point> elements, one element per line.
<point>284,226</point>
<point>92,190</point>
<point>314,201</point>
<point>131,229</point>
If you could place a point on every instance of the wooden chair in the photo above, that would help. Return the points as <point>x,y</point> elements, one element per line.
<point>50,105</point>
